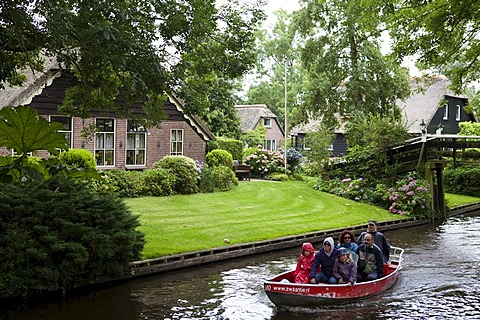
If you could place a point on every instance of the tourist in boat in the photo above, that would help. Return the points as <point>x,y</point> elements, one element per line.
<point>304,263</point>
<point>324,262</point>
<point>379,239</point>
<point>347,240</point>
<point>370,260</point>
<point>345,270</point>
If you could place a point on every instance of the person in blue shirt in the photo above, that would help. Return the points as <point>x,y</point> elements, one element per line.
<point>347,240</point>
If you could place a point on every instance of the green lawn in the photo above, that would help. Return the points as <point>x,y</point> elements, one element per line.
<point>454,200</point>
<point>255,210</point>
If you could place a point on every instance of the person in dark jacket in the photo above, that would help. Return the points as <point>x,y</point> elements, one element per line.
<point>370,260</point>
<point>379,239</point>
<point>324,262</point>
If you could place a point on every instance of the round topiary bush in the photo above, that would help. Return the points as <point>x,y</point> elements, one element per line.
<point>219,157</point>
<point>78,158</point>
<point>185,171</point>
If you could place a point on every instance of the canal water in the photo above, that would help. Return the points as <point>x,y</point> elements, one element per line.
<point>440,280</point>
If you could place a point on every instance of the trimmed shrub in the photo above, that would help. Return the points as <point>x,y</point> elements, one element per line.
<point>157,182</point>
<point>219,157</point>
<point>78,158</point>
<point>121,182</point>
<point>57,232</point>
<point>223,178</point>
<point>462,180</point>
<point>235,147</point>
<point>185,171</point>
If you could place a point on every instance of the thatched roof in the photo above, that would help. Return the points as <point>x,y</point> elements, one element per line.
<point>36,81</point>
<point>426,98</point>
<point>251,114</point>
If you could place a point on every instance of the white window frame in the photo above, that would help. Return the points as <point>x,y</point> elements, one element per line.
<point>105,144</point>
<point>136,145</point>
<point>267,122</point>
<point>458,112</point>
<point>270,144</point>
<point>67,131</point>
<point>445,112</point>
<point>176,142</point>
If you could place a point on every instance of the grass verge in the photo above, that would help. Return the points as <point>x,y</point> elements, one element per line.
<point>454,200</point>
<point>253,211</point>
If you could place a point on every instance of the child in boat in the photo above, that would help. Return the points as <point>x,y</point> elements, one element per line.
<point>344,269</point>
<point>304,263</point>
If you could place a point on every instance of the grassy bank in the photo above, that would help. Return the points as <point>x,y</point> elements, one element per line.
<point>255,210</point>
<point>454,200</point>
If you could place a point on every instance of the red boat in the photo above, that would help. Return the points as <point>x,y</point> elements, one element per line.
<point>283,292</point>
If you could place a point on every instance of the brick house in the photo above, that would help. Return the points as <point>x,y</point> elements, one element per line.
<point>254,115</point>
<point>118,143</point>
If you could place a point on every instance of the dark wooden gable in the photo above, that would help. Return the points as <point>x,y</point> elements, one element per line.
<point>53,95</point>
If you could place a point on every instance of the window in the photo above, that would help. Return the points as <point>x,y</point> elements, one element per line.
<point>104,142</point>
<point>270,145</point>
<point>267,122</point>
<point>136,137</point>
<point>176,142</point>
<point>445,112</point>
<point>458,113</point>
<point>67,127</point>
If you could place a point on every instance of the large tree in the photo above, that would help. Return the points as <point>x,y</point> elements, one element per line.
<point>278,48</point>
<point>346,70</point>
<point>144,48</point>
<point>441,34</point>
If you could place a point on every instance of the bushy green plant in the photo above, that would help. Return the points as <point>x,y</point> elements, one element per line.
<point>219,157</point>
<point>219,178</point>
<point>462,180</point>
<point>354,189</point>
<point>235,147</point>
<point>185,171</point>
<point>223,178</point>
<point>157,182</point>
<point>206,184</point>
<point>277,177</point>
<point>56,232</point>
<point>410,196</point>
<point>78,158</point>
<point>123,183</point>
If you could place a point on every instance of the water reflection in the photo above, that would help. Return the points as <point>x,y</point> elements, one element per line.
<point>440,280</point>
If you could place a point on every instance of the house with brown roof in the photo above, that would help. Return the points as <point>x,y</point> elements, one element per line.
<point>117,143</point>
<point>253,116</point>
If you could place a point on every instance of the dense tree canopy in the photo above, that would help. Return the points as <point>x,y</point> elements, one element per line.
<point>442,34</point>
<point>346,70</point>
<point>141,48</point>
<point>273,47</point>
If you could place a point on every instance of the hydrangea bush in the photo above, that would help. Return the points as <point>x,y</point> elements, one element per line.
<point>293,159</point>
<point>263,162</point>
<point>411,197</point>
